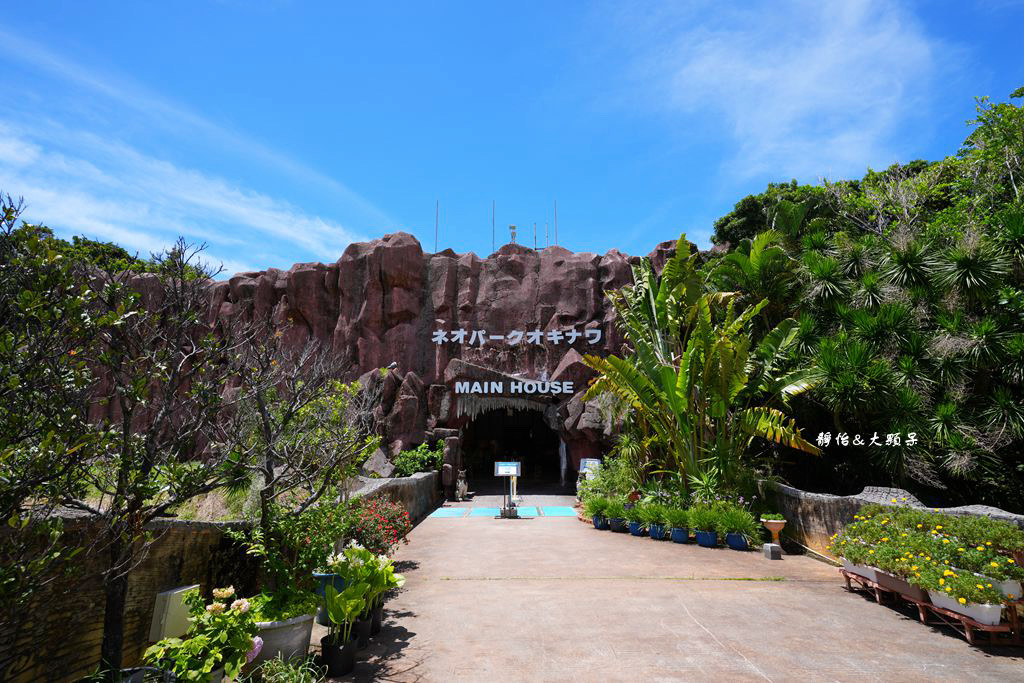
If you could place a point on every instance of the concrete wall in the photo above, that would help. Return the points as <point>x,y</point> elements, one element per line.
<point>60,638</point>
<point>419,494</point>
<point>811,518</point>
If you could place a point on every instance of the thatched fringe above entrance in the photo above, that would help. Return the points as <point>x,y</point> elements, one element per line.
<point>471,406</point>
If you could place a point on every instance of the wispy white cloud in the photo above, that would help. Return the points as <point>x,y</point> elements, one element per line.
<point>803,88</point>
<point>77,173</point>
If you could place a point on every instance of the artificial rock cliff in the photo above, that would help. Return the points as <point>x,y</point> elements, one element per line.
<point>382,301</point>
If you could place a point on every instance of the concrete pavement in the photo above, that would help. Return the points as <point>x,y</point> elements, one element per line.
<point>552,599</point>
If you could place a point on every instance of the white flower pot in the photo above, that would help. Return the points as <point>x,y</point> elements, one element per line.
<point>1007,588</point>
<point>287,639</point>
<point>869,573</point>
<point>983,614</point>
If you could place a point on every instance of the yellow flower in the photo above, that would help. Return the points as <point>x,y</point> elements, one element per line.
<point>872,551</point>
<point>947,573</point>
<point>1010,560</point>
<point>885,538</point>
<point>980,586</point>
<point>920,525</point>
<point>928,557</point>
<point>989,585</point>
<point>903,534</point>
<point>945,540</point>
<point>960,550</point>
<point>961,601</point>
<point>894,500</point>
<point>942,581</point>
<point>913,568</point>
<point>995,564</point>
<point>938,526</point>
<point>988,542</point>
<point>948,589</point>
<point>980,547</point>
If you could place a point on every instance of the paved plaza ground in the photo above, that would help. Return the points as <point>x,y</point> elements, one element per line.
<point>552,599</point>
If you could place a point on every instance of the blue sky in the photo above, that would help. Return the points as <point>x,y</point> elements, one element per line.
<point>279,132</point>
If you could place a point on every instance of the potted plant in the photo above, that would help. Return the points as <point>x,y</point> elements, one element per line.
<point>635,518</point>
<point>679,523</point>
<point>595,507</point>
<point>616,513</point>
<point>220,641</point>
<point>774,523</point>
<point>738,525</point>
<point>960,593</point>
<point>328,575</point>
<point>655,517</point>
<point>338,647</point>
<point>704,521</point>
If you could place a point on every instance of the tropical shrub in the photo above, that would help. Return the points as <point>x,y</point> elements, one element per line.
<point>703,518</point>
<point>378,525</point>
<point>733,519</point>
<point>677,518</point>
<point>419,459</point>
<point>595,506</point>
<point>637,513</point>
<point>616,509</point>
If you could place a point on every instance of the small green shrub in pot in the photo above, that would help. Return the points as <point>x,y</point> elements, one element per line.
<point>637,513</point>
<point>733,519</point>
<point>772,516</point>
<point>703,518</point>
<point>595,506</point>
<point>677,518</point>
<point>615,510</point>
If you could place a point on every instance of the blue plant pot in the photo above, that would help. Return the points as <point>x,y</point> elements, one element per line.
<point>322,581</point>
<point>680,534</point>
<point>600,522</point>
<point>617,524</point>
<point>737,541</point>
<point>657,532</point>
<point>707,539</point>
<point>636,528</point>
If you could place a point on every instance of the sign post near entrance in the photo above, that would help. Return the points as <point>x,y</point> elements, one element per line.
<point>507,470</point>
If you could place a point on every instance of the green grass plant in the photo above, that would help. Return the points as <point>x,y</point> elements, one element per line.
<point>677,518</point>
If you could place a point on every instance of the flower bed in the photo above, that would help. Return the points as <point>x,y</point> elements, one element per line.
<point>965,564</point>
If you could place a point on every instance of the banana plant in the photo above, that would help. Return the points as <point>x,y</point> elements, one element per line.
<point>692,376</point>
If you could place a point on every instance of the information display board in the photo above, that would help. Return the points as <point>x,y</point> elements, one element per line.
<point>589,465</point>
<point>507,469</point>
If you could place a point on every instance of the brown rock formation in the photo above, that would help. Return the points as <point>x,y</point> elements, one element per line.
<point>380,304</point>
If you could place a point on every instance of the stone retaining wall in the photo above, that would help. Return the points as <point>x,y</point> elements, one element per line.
<point>60,639</point>
<point>812,518</point>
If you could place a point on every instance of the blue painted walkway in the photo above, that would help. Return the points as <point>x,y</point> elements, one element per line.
<point>524,511</point>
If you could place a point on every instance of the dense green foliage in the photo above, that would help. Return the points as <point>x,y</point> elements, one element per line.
<point>908,291</point>
<point>419,459</point>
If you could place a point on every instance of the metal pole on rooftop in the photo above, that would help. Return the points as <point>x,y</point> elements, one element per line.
<point>556,221</point>
<point>535,235</point>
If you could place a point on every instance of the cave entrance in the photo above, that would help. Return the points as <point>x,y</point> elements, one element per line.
<point>512,434</point>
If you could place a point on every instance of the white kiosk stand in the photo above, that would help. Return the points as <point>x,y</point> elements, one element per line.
<point>508,470</point>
